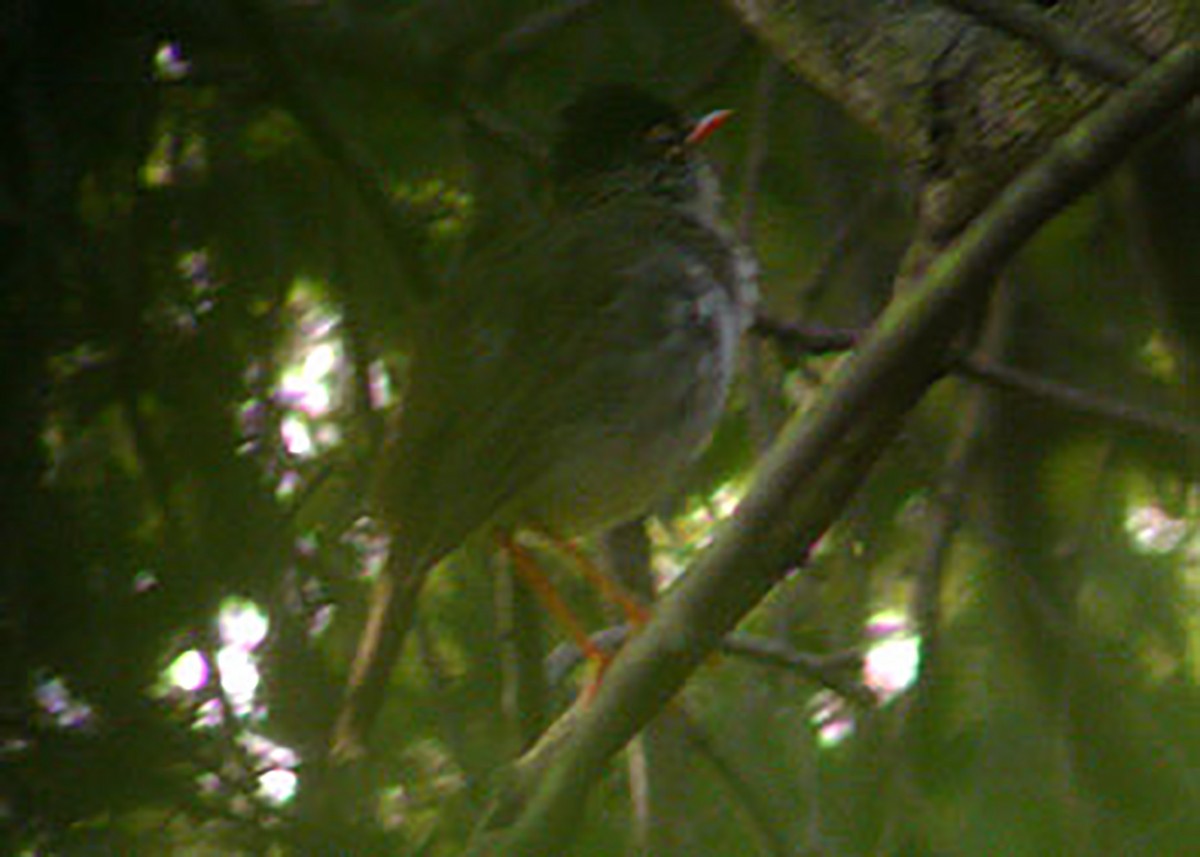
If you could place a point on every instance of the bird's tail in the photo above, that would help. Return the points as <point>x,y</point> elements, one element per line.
<point>392,611</point>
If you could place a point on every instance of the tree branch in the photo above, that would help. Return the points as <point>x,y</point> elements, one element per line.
<point>1083,402</point>
<point>1104,59</point>
<point>818,339</point>
<point>821,458</point>
<point>966,107</point>
<point>834,672</point>
<point>741,788</point>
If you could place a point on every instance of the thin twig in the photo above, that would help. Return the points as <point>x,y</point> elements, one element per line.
<point>802,338</point>
<point>847,235</point>
<point>740,787</point>
<point>530,33</point>
<point>524,694</point>
<point>763,415</point>
<point>818,340</point>
<point>831,671</point>
<point>756,149</point>
<point>903,730</point>
<point>1079,401</point>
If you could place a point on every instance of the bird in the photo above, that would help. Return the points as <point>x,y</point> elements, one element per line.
<point>565,377</point>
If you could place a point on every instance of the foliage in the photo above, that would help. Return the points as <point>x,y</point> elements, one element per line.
<point>205,324</point>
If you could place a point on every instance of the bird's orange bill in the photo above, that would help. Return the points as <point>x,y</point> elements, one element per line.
<point>706,125</point>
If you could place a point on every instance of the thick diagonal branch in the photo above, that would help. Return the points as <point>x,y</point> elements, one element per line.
<point>822,456</point>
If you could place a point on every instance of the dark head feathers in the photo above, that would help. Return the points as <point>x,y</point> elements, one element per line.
<point>607,127</point>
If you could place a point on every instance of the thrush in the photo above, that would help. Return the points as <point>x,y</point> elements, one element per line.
<point>565,377</point>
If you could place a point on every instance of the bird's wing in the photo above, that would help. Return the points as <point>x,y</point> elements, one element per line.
<point>540,341</point>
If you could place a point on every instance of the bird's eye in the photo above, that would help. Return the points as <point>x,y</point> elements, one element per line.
<point>666,143</point>
<point>661,134</point>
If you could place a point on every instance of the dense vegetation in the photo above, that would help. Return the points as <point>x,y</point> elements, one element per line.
<point>215,222</point>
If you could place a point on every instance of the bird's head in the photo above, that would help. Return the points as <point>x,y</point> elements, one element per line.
<point>618,137</point>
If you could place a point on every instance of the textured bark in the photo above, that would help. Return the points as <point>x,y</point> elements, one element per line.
<point>964,104</point>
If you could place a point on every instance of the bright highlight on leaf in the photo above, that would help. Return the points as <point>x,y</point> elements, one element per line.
<point>278,785</point>
<point>1154,531</point>
<point>188,672</point>
<point>892,665</point>
<point>311,385</point>
<point>66,709</point>
<point>169,62</point>
<point>893,661</point>
<point>242,624</point>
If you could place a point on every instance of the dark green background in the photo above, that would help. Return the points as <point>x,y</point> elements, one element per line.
<point>1061,715</point>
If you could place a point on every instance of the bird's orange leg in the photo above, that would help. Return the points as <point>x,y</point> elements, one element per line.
<point>636,613</point>
<point>533,576</point>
